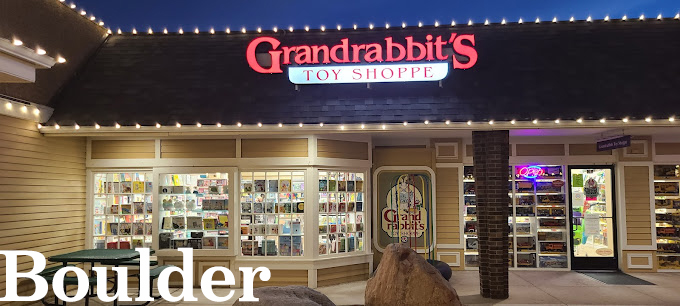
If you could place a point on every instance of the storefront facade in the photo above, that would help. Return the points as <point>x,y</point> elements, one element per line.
<point>308,151</point>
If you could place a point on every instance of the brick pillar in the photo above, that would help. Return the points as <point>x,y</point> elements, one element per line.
<point>491,153</point>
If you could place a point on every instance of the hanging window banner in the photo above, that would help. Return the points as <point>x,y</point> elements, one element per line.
<point>404,209</point>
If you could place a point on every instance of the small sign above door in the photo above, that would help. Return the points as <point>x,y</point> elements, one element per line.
<point>614,143</point>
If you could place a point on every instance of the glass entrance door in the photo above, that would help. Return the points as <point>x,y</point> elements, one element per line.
<point>592,203</point>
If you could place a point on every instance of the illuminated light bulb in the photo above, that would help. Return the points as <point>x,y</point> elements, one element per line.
<point>83,13</point>
<point>383,127</point>
<point>8,105</point>
<point>39,126</point>
<point>537,20</point>
<point>101,23</point>
<point>677,16</point>
<point>606,18</point>
<point>134,31</point>
<point>403,25</point>
<point>212,31</point>
<point>323,28</point>
<point>290,29</point>
<point>648,119</point>
<point>420,24</point>
<point>671,119</point>
<point>300,124</point>
<point>535,121</point>
<point>520,21</point>
<point>387,26</point>
<point>97,126</point>
<point>138,126</point>
<point>36,112</point>
<point>228,30</point>
<point>486,22</point>
<point>77,127</point>
<point>557,121</point>
<point>108,31</point>
<point>436,23</point>
<point>469,122</point>
<point>427,121</point>
<point>238,124</point>
<point>370,26</point>
<point>491,122</point>
<point>73,5</point>
<point>513,121</point>
<point>503,22</point>
<point>259,124</point>
<point>571,19</point>
<point>405,123</point>
<point>453,23</point>
<point>339,27</point>
<point>117,125</point>
<point>625,120</point>
<point>243,30</point>
<point>24,109</point>
<point>554,19</point>
<point>589,19</point>
<point>92,18</point>
<point>470,22</point>
<point>642,17</point>
<point>119,31</point>
<point>158,125</point>
<point>165,31</point>
<point>363,126</point>
<point>342,127</point>
<point>259,30</point>
<point>178,125</point>
<point>150,31</point>
<point>280,124</point>
<point>447,122</point>
<point>276,29</point>
<point>624,18</point>
<point>196,30</point>
<point>659,17</point>
<point>307,28</point>
<point>17,42</point>
<point>579,120</point>
<point>321,124</point>
<point>199,124</point>
<point>603,120</point>
<point>355,26</point>
<point>61,60</point>
<point>56,126</point>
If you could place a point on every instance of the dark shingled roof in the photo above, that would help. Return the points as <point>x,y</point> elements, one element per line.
<point>547,71</point>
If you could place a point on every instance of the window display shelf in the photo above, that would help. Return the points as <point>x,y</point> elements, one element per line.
<point>341,212</point>
<point>667,214</point>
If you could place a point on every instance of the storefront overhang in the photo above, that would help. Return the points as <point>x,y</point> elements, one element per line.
<point>19,63</point>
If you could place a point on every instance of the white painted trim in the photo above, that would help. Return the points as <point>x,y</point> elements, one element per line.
<point>26,55</point>
<point>434,201</point>
<point>16,110</point>
<point>455,254</point>
<point>441,144</point>
<point>89,212</point>
<point>644,154</point>
<point>649,256</point>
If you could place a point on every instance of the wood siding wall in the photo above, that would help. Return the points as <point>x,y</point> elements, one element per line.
<point>340,275</point>
<point>122,149</point>
<point>539,150</point>
<point>253,148</point>
<point>448,214</point>
<point>198,148</point>
<point>667,148</point>
<point>579,149</point>
<point>342,149</point>
<point>42,194</point>
<point>638,214</point>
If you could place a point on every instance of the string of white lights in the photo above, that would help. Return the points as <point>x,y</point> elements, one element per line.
<point>372,26</point>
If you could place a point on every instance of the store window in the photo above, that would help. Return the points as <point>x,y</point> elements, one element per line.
<point>341,212</point>
<point>123,206</point>
<point>272,213</point>
<point>194,211</point>
<point>537,222</point>
<point>667,207</point>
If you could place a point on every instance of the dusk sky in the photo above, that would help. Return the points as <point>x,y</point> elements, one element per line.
<point>268,13</point>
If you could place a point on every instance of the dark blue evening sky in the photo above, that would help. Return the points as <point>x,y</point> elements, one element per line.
<point>283,13</point>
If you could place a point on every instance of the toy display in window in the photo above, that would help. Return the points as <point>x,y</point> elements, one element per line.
<point>524,187</point>
<point>525,200</point>
<point>471,244</point>
<point>526,260</point>
<point>525,211</point>
<point>553,247</point>
<point>552,222</point>
<point>667,171</point>
<point>526,244</point>
<point>666,189</point>
<point>468,188</point>
<point>551,199</point>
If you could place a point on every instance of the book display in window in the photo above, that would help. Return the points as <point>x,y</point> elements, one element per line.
<point>341,212</point>
<point>537,222</point>
<point>194,210</point>
<point>667,208</point>
<point>272,205</point>
<point>122,210</point>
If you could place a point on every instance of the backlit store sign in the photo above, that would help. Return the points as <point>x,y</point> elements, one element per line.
<point>413,61</point>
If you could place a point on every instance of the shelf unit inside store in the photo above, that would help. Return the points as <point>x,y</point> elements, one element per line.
<point>667,214</point>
